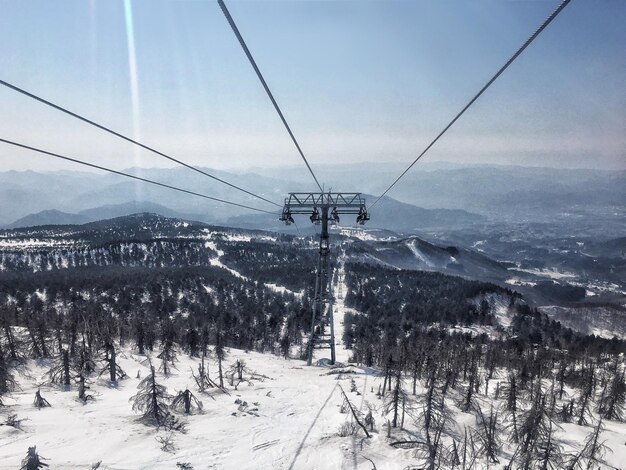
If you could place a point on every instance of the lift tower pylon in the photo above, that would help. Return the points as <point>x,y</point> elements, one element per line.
<point>323,208</point>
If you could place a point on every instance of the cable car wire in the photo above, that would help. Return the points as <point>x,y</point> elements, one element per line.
<point>131,140</point>
<point>267,89</point>
<point>546,22</point>
<point>128,175</point>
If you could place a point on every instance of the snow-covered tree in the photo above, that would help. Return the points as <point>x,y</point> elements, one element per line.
<point>152,400</point>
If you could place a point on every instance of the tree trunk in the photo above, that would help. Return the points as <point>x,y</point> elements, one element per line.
<point>66,368</point>
<point>112,364</point>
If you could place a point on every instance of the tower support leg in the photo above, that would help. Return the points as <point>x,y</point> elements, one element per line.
<point>321,287</point>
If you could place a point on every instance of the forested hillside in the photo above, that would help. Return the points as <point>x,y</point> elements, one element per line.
<point>462,373</point>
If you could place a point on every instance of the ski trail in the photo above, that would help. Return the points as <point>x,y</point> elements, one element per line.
<point>217,262</point>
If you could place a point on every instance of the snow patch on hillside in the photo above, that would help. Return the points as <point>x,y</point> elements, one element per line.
<point>499,307</point>
<point>283,289</point>
<point>549,273</point>
<point>216,261</point>
<point>418,254</point>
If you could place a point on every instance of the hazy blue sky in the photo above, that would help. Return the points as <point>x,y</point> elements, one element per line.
<point>358,81</point>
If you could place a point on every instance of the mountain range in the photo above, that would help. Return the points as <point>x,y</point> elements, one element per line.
<point>431,196</point>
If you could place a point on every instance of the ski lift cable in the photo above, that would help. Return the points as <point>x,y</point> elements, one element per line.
<point>128,175</point>
<point>230,20</point>
<point>546,22</point>
<point>131,140</point>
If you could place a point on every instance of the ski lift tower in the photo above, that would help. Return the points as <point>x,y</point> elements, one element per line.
<point>323,208</point>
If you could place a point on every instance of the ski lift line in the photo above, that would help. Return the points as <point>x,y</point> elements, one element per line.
<point>230,20</point>
<point>131,140</point>
<point>546,22</point>
<point>128,175</point>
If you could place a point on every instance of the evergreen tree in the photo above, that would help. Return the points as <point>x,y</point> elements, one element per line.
<point>152,400</point>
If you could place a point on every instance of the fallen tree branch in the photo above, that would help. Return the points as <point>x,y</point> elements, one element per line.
<point>407,443</point>
<point>354,412</point>
<point>370,461</point>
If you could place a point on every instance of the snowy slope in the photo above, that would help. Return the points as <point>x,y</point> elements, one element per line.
<point>294,426</point>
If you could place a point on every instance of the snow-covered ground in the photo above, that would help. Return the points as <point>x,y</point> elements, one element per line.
<point>218,262</point>
<point>419,254</point>
<point>296,420</point>
<point>549,273</point>
<point>341,353</point>
<point>290,422</point>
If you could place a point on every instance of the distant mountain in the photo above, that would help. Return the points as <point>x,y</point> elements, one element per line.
<point>50,217</point>
<point>111,211</point>
<point>418,254</point>
<point>389,214</point>
<point>589,200</point>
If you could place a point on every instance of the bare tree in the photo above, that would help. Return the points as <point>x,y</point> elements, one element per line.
<point>592,452</point>
<point>40,402</point>
<point>613,398</point>
<point>7,382</point>
<point>59,373</point>
<point>488,433</point>
<point>33,461</point>
<point>185,401</point>
<point>511,397</point>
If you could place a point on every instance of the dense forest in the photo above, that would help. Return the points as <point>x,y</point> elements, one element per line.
<point>133,304</point>
<point>287,263</point>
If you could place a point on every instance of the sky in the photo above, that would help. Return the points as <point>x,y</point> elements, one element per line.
<point>358,81</point>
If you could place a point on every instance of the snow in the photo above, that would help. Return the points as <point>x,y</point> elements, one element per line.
<point>295,426</point>
<point>283,289</point>
<point>35,243</point>
<point>418,254</point>
<point>549,273</point>
<point>357,233</point>
<point>516,281</point>
<point>479,244</point>
<point>297,419</point>
<point>340,309</point>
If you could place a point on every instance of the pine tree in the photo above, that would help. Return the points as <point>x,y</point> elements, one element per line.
<point>168,358</point>
<point>110,364</point>
<point>152,400</point>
